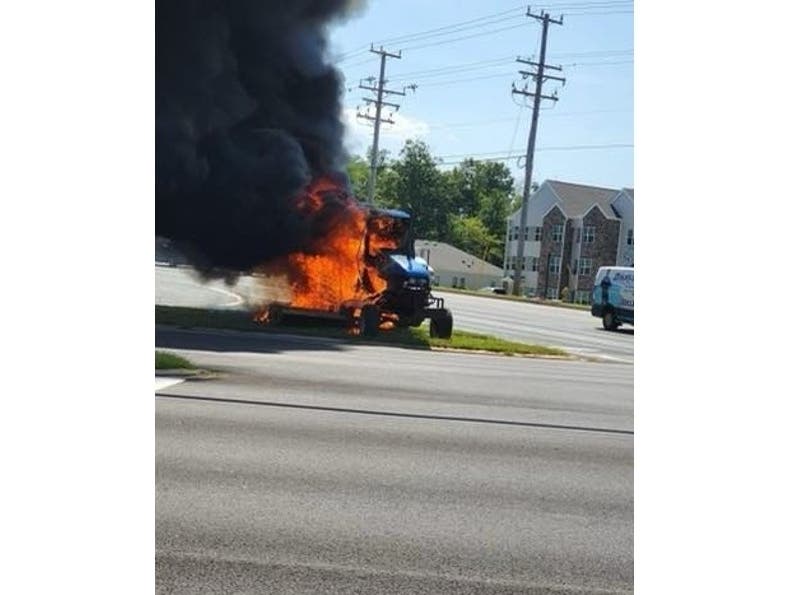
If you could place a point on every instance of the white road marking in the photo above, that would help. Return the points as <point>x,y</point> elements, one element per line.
<point>161,382</point>
<point>238,299</point>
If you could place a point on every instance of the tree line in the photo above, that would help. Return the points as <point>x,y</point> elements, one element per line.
<point>466,206</point>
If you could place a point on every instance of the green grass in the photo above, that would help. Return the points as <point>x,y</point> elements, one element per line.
<point>416,338</point>
<point>164,360</point>
<point>475,341</point>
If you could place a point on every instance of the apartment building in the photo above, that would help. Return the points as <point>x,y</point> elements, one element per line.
<point>571,230</point>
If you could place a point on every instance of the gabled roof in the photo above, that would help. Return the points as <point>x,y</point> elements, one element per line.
<point>628,191</point>
<point>577,199</point>
<point>446,256</point>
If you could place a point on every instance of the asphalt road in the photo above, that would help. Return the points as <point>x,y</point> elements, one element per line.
<point>574,330</point>
<point>577,331</point>
<point>313,466</point>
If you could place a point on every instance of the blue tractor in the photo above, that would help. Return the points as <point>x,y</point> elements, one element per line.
<point>407,299</point>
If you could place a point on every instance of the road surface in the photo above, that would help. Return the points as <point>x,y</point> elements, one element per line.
<point>313,466</point>
<point>577,331</point>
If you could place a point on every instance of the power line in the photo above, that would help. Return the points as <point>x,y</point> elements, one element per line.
<point>492,62</point>
<point>452,68</point>
<point>467,80</point>
<point>453,26</point>
<point>448,29</point>
<point>489,19</point>
<point>613,63</point>
<point>511,118</point>
<point>456,39</point>
<point>463,157</point>
<point>514,154</point>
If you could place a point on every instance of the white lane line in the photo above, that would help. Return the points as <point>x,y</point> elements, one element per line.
<point>161,382</point>
<point>238,299</point>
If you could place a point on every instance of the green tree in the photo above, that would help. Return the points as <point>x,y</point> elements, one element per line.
<point>418,187</point>
<point>482,190</point>
<point>470,234</point>
<point>358,173</point>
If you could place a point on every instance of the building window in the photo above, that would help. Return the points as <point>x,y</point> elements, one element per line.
<point>462,282</point>
<point>526,234</point>
<point>535,264</point>
<point>555,264</point>
<point>557,232</point>
<point>537,234</point>
<point>585,266</point>
<point>552,293</point>
<point>578,235</point>
<point>589,234</point>
<point>582,297</point>
<point>630,237</point>
<point>454,281</point>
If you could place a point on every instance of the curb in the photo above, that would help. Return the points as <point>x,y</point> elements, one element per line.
<point>198,374</point>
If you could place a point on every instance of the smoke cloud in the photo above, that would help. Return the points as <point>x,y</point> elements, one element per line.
<point>248,112</point>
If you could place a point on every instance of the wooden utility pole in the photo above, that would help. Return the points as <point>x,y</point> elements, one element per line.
<point>539,78</point>
<point>380,90</point>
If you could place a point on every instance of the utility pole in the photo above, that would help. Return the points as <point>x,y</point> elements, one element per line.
<point>539,78</point>
<point>379,91</point>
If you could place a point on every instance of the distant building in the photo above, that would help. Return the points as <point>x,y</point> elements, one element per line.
<point>571,230</point>
<point>453,267</point>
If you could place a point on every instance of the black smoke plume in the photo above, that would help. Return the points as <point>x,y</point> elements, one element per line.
<point>248,111</point>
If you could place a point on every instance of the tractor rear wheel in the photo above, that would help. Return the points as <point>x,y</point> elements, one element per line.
<point>369,321</point>
<point>441,326</point>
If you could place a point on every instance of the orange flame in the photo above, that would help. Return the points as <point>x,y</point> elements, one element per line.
<point>339,266</point>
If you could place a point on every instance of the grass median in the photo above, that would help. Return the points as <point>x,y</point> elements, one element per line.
<point>416,338</point>
<point>164,360</point>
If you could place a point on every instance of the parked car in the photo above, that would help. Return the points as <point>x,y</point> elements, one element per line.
<point>496,290</point>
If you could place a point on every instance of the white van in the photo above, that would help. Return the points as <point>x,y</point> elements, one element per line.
<point>612,296</point>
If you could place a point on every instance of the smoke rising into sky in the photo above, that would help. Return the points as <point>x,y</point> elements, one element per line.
<point>248,111</point>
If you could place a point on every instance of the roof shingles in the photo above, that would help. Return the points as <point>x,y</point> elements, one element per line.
<point>577,199</point>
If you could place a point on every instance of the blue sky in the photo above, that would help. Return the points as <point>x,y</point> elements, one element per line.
<point>464,72</point>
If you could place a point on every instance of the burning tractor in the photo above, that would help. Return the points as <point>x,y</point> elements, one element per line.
<point>406,300</point>
<point>364,272</point>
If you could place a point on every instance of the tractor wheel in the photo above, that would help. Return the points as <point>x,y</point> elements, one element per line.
<point>441,326</point>
<point>369,321</point>
<point>275,315</point>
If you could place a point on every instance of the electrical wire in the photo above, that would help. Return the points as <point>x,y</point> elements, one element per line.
<point>502,156</point>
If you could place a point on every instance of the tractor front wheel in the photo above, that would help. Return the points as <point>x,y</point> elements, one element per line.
<point>441,326</point>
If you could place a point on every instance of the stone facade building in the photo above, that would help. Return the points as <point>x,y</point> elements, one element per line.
<point>572,230</point>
